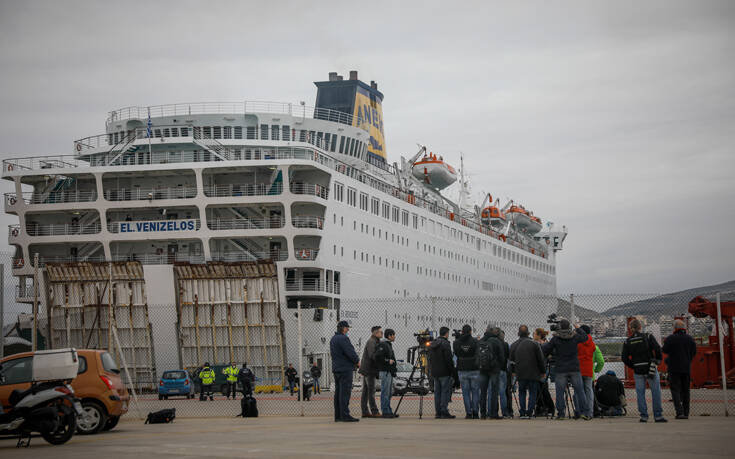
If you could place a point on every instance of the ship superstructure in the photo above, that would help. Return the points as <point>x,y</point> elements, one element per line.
<point>309,188</point>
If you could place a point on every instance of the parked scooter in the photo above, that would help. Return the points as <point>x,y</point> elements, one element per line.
<point>308,385</point>
<point>47,407</point>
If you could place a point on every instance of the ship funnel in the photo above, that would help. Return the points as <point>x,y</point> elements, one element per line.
<point>332,76</point>
<point>353,74</point>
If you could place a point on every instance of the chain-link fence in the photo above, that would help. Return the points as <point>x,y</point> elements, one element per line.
<point>160,348</point>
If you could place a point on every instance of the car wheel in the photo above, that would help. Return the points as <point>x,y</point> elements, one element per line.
<point>93,418</point>
<point>111,423</point>
<point>165,397</point>
<point>160,397</point>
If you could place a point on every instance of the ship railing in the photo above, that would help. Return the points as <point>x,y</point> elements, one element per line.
<point>260,189</point>
<point>53,197</point>
<point>160,258</point>
<point>232,257</point>
<point>64,229</point>
<point>138,194</point>
<point>114,227</point>
<point>307,221</point>
<point>243,107</point>
<point>245,223</point>
<point>313,189</point>
<point>305,253</point>
<point>312,285</point>
<point>24,292</point>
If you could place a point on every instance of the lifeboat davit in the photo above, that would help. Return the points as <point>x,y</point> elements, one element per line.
<point>524,220</point>
<point>433,171</point>
<point>492,216</point>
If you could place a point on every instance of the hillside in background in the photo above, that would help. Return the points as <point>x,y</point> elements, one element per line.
<point>672,303</point>
<point>564,309</point>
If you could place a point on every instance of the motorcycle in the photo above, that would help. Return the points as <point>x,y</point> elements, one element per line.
<point>48,407</point>
<point>308,385</point>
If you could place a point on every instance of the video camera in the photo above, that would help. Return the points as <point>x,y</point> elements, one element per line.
<point>424,338</point>
<point>456,334</point>
<point>554,321</point>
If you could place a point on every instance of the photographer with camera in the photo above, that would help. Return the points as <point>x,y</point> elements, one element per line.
<point>529,366</point>
<point>385,364</point>
<point>465,349</point>
<point>490,357</point>
<point>564,347</point>
<point>642,353</point>
<point>442,369</point>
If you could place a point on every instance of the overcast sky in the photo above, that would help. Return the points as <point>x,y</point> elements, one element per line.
<point>614,118</point>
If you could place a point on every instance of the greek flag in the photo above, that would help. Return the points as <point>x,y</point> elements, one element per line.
<point>150,124</point>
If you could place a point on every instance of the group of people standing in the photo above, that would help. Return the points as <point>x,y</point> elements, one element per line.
<point>486,366</point>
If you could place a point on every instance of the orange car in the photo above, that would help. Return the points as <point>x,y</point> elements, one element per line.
<point>98,385</point>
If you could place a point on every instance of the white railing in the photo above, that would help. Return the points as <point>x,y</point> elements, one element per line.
<point>307,221</point>
<point>231,257</point>
<point>64,229</point>
<point>137,194</point>
<point>260,189</point>
<point>204,108</point>
<point>53,197</point>
<point>25,291</point>
<point>311,285</point>
<point>245,223</point>
<point>313,189</point>
<point>115,141</point>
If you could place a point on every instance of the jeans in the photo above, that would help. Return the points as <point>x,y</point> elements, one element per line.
<point>291,385</point>
<point>503,392</point>
<point>530,386</point>
<point>679,384</point>
<point>587,383</point>
<point>317,387</point>
<point>386,390</point>
<point>368,395</point>
<point>560,386</point>
<point>442,390</point>
<point>640,392</point>
<point>470,383</point>
<point>342,392</point>
<point>489,383</point>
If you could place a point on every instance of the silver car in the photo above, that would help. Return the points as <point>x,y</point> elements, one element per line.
<point>400,382</point>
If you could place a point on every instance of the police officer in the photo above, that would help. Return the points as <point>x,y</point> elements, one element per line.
<point>207,376</point>
<point>247,380</point>
<point>231,374</point>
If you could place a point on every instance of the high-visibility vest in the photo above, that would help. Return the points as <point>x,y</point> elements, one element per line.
<point>207,376</point>
<point>231,373</point>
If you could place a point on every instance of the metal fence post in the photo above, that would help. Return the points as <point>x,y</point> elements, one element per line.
<point>2,310</point>
<point>571,308</point>
<point>433,313</point>
<point>301,365</point>
<point>721,339</point>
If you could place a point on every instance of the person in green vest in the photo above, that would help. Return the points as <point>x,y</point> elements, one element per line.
<point>231,373</point>
<point>598,359</point>
<point>206,375</point>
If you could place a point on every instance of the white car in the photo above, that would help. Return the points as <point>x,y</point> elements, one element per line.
<point>401,384</point>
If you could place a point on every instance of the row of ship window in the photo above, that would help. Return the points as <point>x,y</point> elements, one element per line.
<point>393,213</point>
<point>324,140</point>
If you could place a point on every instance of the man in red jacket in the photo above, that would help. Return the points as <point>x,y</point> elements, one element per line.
<point>585,354</point>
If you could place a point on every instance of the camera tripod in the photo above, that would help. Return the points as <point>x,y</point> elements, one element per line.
<point>419,363</point>
<point>568,398</point>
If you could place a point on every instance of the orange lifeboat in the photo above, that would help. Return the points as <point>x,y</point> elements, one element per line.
<point>524,219</point>
<point>492,216</point>
<point>433,171</point>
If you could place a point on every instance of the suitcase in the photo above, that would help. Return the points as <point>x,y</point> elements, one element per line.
<point>249,407</point>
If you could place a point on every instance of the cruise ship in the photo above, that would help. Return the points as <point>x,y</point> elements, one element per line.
<point>310,188</point>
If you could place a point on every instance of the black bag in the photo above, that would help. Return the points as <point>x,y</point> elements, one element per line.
<point>161,417</point>
<point>544,402</point>
<point>249,407</point>
<point>485,358</point>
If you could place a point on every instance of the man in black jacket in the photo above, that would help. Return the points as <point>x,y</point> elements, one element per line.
<point>291,377</point>
<point>247,380</point>
<point>442,369</point>
<point>642,353</point>
<point>344,361</point>
<point>610,394</point>
<point>527,363</point>
<point>385,365</point>
<point>369,374</point>
<point>680,349</point>
<point>490,376</point>
<point>465,349</point>
<point>316,373</point>
<point>566,369</point>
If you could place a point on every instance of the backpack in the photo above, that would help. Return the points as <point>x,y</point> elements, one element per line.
<point>161,417</point>
<point>249,407</point>
<point>485,357</point>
